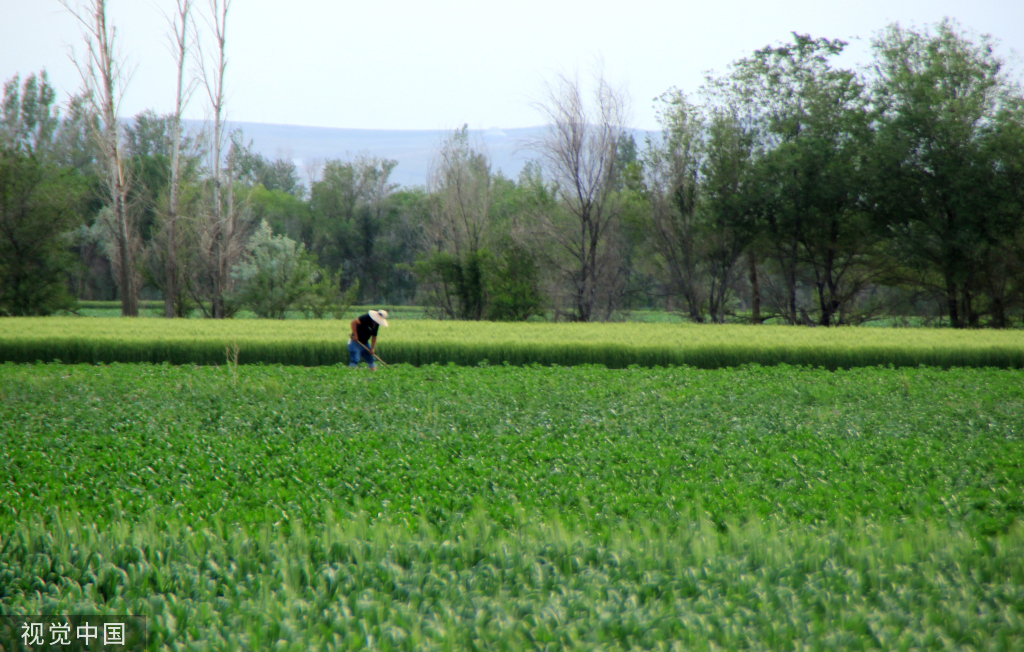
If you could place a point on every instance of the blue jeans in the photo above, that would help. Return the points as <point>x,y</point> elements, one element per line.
<point>357,352</point>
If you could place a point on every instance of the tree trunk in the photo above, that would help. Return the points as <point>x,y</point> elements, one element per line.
<point>953,304</point>
<point>791,295</point>
<point>171,271</point>
<point>215,90</point>
<point>998,311</point>
<point>755,289</point>
<point>171,268</point>
<point>969,315</point>
<point>591,297</point>
<point>102,77</point>
<point>826,312</point>
<point>218,226</point>
<point>129,305</point>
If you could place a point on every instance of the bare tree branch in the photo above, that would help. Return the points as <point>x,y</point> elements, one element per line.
<point>179,24</point>
<point>223,227</point>
<point>579,153</point>
<point>105,78</point>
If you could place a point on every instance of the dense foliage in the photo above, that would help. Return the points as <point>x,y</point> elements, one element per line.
<point>583,508</point>
<point>40,198</point>
<point>788,189</point>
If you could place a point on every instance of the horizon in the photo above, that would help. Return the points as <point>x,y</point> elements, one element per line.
<point>413,149</point>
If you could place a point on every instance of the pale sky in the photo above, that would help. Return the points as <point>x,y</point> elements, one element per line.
<point>437,65</point>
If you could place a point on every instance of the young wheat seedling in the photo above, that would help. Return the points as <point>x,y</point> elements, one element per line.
<point>231,353</point>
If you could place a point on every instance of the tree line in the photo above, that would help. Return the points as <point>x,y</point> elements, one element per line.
<point>789,189</point>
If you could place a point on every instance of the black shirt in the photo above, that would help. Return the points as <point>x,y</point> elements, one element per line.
<point>366,328</point>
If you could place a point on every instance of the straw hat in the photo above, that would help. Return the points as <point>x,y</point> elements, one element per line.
<point>380,316</point>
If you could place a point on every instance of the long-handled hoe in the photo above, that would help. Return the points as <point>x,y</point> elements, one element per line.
<point>372,353</point>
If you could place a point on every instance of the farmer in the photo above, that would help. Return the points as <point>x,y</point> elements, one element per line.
<point>363,343</point>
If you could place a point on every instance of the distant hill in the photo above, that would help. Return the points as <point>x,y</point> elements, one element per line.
<point>412,149</point>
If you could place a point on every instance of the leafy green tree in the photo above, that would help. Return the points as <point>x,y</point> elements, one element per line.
<point>166,165</point>
<point>351,212</point>
<point>515,286</point>
<point>407,211</point>
<point>1003,274</point>
<point>938,169</point>
<point>516,276</point>
<point>454,270</point>
<point>284,212</point>
<point>672,185</point>
<point>39,203</point>
<point>731,196</point>
<point>148,150</point>
<point>149,135</point>
<point>455,286</point>
<point>28,119</point>
<point>38,207</point>
<point>324,297</point>
<point>74,145</point>
<point>276,275</point>
<point>626,159</point>
<point>814,128</point>
<point>253,168</point>
<point>700,194</point>
<point>177,270</point>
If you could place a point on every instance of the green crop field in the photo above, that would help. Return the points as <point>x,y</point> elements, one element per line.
<point>508,508</point>
<point>421,341</point>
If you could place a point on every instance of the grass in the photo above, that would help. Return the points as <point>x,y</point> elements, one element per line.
<point>420,342</point>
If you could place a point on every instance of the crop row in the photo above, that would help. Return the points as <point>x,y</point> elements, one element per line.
<point>272,443</point>
<point>420,342</point>
<point>354,585</point>
<point>510,508</point>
